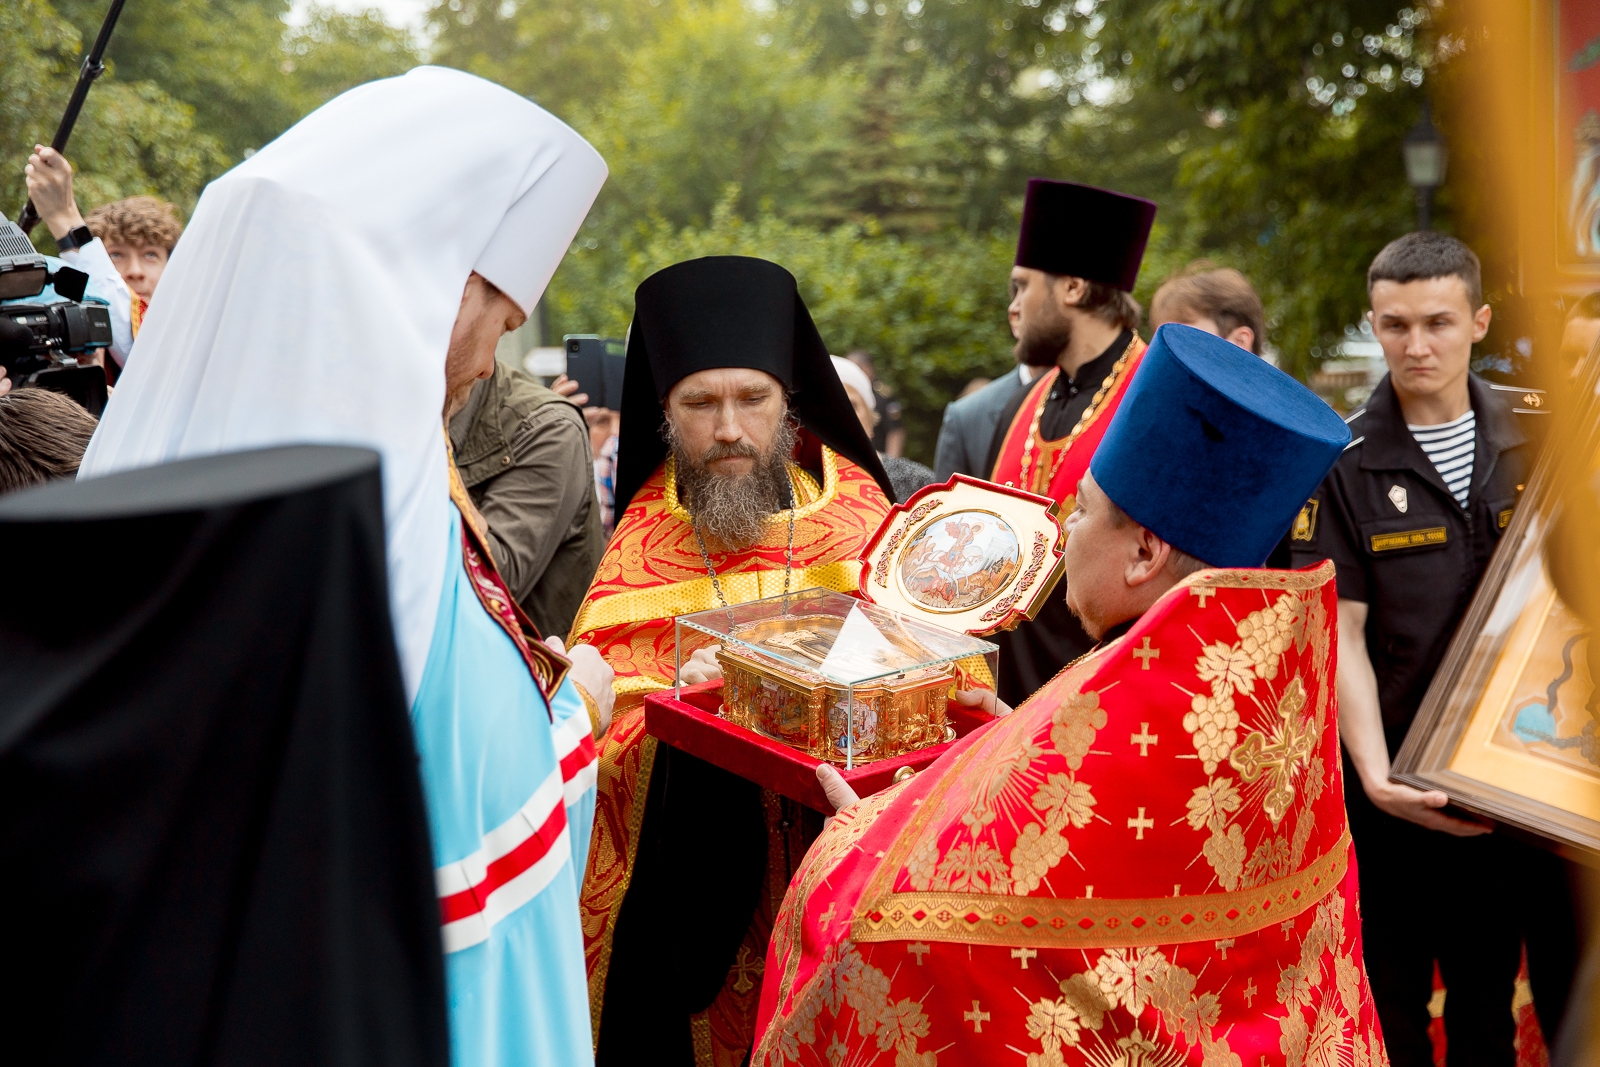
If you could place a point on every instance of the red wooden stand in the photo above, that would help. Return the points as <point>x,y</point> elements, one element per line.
<point>692,725</point>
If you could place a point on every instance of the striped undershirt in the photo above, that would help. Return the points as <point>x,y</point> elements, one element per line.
<point>1449,445</point>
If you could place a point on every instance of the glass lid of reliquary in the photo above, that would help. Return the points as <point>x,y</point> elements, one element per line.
<point>834,637</point>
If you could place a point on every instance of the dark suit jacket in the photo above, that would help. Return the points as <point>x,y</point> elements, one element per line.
<point>968,428</point>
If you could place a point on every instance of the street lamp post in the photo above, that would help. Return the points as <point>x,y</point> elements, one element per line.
<point>1425,155</point>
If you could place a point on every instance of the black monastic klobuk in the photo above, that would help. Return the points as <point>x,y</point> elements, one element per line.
<point>215,841</point>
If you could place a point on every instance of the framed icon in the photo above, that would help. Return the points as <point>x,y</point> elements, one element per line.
<point>967,555</point>
<point>1509,726</point>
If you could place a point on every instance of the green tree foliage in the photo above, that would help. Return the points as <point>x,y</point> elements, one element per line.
<point>898,135</point>
<point>1300,180</point>
<point>722,97</point>
<point>332,51</point>
<point>565,54</point>
<point>245,72</point>
<point>191,85</point>
<point>910,301</point>
<point>879,148</point>
<point>889,159</point>
<point>131,138</point>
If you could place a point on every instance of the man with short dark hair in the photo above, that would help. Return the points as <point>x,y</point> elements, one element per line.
<point>1075,317</point>
<point>42,437</point>
<point>1218,300</point>
<point>1410,516</point>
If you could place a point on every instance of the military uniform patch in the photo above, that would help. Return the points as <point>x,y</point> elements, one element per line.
<point>1305,523</point>
<point>1433,535</point>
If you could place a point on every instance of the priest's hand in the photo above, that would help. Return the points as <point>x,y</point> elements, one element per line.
<point>984,700</point>
<point>702,667</point>
<point>835,788</point>
<point>594,675</point>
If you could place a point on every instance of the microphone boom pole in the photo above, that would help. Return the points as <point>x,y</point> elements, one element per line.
<point>92,68</point>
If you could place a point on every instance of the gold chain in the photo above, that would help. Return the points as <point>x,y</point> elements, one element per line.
<point>1106,385</point>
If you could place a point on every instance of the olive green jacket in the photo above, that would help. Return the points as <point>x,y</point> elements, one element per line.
<point>524,455</point>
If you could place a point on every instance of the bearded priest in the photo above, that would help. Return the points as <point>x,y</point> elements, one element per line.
<point>749,476</point>
<point>1078,256</point>
<point>1148,861</point>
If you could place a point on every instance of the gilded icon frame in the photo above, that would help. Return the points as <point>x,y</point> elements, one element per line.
<point>1032,520</point>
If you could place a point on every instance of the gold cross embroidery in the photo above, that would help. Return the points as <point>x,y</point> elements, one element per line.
<point>1281,758</point>
<point>976,1017</point>
<point>919,950</point>
<point>1250,992</point>
<point>1146,654</point>
<point>1202,591</point>
<point>826,918</point>
<point>747,968</point>
<point>1144,738</point>
<point>1024,954</point>
<point>1141,824</point>
<point>1224,945</point>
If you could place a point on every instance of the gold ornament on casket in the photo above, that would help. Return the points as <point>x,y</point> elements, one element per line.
<point>892,715</point>
<point>850,679</point>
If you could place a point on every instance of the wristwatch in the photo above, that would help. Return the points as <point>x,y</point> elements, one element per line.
<point>76,237</point>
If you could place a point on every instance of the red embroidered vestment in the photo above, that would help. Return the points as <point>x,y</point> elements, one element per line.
<point>1147,863</point>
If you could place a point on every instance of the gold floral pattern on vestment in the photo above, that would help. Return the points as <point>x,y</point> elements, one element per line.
<point>949,904</point>
<point>1101,1012</point>
<point>627,755</point>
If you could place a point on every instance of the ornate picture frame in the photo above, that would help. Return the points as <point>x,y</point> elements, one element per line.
<point>967,555</point>
<point>1575,31</point>
<point>1510,726</point>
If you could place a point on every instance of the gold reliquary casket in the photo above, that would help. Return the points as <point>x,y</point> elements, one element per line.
<point>851,679</point>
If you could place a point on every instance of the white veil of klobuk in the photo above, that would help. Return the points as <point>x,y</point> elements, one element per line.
<point>312,296</point>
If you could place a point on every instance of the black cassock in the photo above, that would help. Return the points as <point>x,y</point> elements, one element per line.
<point>213,829</point>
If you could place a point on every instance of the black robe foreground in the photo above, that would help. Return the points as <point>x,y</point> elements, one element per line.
<point>214,838</point>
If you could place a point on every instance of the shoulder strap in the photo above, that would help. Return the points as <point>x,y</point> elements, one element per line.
<point>547,667</point>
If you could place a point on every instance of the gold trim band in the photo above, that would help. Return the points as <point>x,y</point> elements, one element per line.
<point>1260,578</point>
<point>1052,922</point>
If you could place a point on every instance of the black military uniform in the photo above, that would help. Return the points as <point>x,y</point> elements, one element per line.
<point>1403,546</point>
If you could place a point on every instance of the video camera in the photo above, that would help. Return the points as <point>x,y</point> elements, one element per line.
<point>46,321</point>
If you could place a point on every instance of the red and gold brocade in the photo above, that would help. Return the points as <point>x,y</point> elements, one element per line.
<point>1053,468</point>
<point>1147,863</point>
<point>652,571</point>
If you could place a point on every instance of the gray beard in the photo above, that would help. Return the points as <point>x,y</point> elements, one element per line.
<point>734,510</point>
